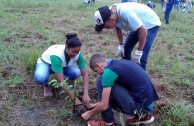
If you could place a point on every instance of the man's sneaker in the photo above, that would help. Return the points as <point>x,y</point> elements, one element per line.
<point>145,120</point>
<point>47,91</point>
<point>97,122</point>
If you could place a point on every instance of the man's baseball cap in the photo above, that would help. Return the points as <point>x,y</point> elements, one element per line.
<point>101,16</point>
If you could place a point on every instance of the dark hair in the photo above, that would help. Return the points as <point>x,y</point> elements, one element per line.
<point>72,40</point>
<point>96,58</point>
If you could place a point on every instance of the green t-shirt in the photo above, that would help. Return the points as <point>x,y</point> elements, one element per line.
<point>56,63</point>
<point>108,78</point>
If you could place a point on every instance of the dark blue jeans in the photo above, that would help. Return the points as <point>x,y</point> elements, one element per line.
<point>133,38</point>
<point>120,99</point>
<point>169,7</point>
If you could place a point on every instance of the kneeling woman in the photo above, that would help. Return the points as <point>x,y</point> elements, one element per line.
<point>61,61</point>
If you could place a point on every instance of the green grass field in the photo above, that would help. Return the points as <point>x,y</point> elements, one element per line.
<point>28,27</point>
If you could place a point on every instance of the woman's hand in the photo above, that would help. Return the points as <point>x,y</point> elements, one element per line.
<point>77,101</point>
<point>86,100</point>
<point>91,105</point>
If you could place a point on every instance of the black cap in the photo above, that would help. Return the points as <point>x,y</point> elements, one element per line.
<point>101,16</point>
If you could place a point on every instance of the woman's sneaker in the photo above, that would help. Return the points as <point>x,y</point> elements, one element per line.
<point>47,91</point>
<point>144,120</point>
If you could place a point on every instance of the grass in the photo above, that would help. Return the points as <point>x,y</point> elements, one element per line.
<point>178,114</point>
<point>29,103</point>
<point>29,58</point>
<point>28,27</point>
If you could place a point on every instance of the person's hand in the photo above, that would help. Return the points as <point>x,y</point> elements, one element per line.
<point>86,115</point>
<point>77,101</point>
<point>121,51</point>
<point>137,56</point>
<point>86,100</point>
<point>91,105</point>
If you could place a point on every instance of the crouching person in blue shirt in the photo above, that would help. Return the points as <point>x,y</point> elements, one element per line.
<point>122,85</point>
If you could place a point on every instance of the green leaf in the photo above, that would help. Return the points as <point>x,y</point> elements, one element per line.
<point>54,81</point>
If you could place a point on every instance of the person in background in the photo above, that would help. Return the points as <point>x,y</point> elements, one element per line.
<point>151,4</point>
<point>88,2</point>
<point>178,5</point>
<point>187,6</point>
<point>142,23</point>
<point>61,60</point>
<point>122,85</point>
<point>133,1</point>
<point>123,1</point>
<point>169,6</point>
<point>163,5</point>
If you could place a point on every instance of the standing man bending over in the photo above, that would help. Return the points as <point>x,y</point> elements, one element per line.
<point>142,22</point>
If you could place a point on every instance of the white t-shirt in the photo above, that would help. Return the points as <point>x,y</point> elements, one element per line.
<point>58,50</point>
<point>133,15</point>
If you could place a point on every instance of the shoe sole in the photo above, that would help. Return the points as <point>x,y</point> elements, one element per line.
<point>144,122</point>
<point>48,95</point>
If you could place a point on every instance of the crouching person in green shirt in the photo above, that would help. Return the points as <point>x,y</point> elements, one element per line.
<point>122,85</point>
<point>61,61</point>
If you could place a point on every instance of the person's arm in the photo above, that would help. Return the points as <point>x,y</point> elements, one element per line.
<point>142,37</point>
<point>101,106</point>
<point>91,105</point>
<point>85,98</point>
<point>108,78</point>
<point>60,78</point>
<point>120,50</point>
<point>82,66</point>
<point>119,35</point>
<point>56,66</point>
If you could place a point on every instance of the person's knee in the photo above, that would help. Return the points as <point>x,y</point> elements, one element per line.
<point>107,116</point>
<point>74,74</point>
<point>40,79</point>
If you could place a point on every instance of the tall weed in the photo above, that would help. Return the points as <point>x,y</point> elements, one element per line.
<point>29,59</point>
